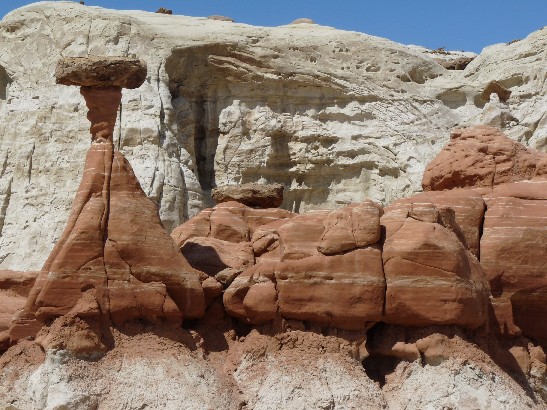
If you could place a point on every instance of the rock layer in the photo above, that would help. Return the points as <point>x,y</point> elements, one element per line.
<point>430,277</point>
<point>482,157</point>
<point>514,256</point>
<point>340,118</point>
<point>512,182</point>
<point>101,72</point>
<point>254,195</point>
<point>114,261</point>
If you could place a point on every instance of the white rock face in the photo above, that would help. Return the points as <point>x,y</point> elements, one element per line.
<point>293,371</point>
<point>178,380</point>
<point>455,384</point>
<point>335,116</point>
<point>303,371</point>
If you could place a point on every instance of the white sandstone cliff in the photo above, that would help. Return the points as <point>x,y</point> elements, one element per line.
<point>336,116</point>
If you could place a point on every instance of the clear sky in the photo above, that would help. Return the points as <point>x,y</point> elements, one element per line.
<point>466,25</point>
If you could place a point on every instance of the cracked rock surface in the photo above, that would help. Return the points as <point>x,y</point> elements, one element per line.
<point>334,116</point>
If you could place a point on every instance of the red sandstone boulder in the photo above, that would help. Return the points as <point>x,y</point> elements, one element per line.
<point>467,204</point>
<point>318,232</point>
<point>353,226</point>
<point>344,291</point>
<point>430,277</point>
<point>198,226</point>
<point>513,243</point>
<point>212,255</point>
<point>290,239</point>
<point>481,156</point>
<point>251,194</point>
<point>514,256</point>
<point>217,239</point>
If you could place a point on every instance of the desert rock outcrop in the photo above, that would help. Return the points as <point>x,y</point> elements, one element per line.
<point>114,262</point>
<point>431,278</point>
<point>353,294</point>
<point>341,117</point>
<point>513,184</point>
<point>253,195</point>
<point>514,256</point>
<point>482,157</point>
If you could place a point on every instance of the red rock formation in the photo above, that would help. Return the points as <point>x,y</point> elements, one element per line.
<point>344,291</point>
<point>467,204</point>
<point>430,277</point>
<point>218,238</point>
<point>351,227</point>
<point>14,290</point>
<point>513,184</point>
<point>252,194</point>
<point>341,287</point>
<point>481,156</point>
<point>514,256</point>
<point>114,252</point>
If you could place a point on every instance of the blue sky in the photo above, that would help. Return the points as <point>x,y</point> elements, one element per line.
<point>466,25</point>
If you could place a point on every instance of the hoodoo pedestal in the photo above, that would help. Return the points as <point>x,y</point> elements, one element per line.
<point>114,262</point>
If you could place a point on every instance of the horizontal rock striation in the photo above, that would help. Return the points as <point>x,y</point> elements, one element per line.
<point>254,195</point>
<point>513,184</point>
<point>342,117</point>
<point>114,263</point>
<point>333,300</point>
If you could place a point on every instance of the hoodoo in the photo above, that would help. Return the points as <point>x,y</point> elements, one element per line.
<point>376,243</point>
<point>114,262</point>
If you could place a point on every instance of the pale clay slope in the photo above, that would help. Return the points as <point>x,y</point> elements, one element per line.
<point>336,116</point>
<point>149,372</point>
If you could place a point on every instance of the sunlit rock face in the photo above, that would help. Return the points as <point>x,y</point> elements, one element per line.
<point>334,116</point>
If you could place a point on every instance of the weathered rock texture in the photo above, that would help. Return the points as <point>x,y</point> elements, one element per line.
<point>355,307</point>
<point>334,116</point>
<point>512,181</point>
<point>482,157</point>
<point>514,256</point>
<point>14,290</point>
<point>114,262</point>
<point>294,369</point>
<point>101,72</point>
<point>330,268</point>
<point>255,195</point>
<point>430,276</point>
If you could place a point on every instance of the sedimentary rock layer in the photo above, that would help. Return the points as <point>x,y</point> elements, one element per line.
<point>334,116</point>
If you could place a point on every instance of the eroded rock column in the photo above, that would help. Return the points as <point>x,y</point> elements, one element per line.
<point>114,262</point>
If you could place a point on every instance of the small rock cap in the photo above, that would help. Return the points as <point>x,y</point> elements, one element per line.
<point>98,71</point>
<point>250,194</point>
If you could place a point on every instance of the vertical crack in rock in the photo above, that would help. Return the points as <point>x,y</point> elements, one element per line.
<point>84,279</point>
<point>5,82</point>
<point>200,144</point>
<point>29,161</point>
<point>5,195</point>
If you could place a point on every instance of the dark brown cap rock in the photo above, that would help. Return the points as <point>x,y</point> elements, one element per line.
<point>95,71</point>
<point>163,10</point>
<point>251,194</point>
